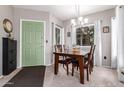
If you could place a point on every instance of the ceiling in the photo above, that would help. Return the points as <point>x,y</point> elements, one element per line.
<point>65,12</point>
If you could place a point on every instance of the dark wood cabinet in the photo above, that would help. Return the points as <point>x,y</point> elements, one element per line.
<point>9,55</point>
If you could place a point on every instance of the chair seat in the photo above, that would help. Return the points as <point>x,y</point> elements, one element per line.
<point>65,58</point>
<point>62,61</point>
<point>68,59</point>
<point>74,61</point>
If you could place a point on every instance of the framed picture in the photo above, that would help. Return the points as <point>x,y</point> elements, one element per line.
<point>106,29</point>
<point>68,34</point>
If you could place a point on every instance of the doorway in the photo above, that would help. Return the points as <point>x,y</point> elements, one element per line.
<point>32,43</point>
<point>57,38</point>
<point>58,35</point>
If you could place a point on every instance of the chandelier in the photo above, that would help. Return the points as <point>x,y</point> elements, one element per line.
<point>79,20</point>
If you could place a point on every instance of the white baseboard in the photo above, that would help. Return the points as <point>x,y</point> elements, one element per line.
<point>1,76</point>
<point>19,67</point>
<point>48,64</point>
<point>107,66</point>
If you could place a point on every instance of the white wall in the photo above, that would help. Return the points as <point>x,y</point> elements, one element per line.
<point>105,17</point>
<point>55,20</point>
<point>5,12</point>
<point>68,28</point>
<point>31,15</point>
<point>40,16</point>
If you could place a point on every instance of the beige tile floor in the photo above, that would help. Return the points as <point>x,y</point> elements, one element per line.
<point>101,77</point>
<point>6,78</point>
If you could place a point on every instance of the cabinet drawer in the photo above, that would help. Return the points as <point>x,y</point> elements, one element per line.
<point>11,45</point>
<point>12,55</point>
<point>12,64</point>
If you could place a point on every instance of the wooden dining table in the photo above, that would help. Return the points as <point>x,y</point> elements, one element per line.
<point>79,55</point>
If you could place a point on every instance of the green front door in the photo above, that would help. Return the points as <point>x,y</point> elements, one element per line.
<point>32,43</point>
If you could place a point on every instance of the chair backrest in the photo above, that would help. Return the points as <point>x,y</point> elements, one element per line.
<point>64,47</point>
<point>94,46</point>
<point>91,49</point>
<point>93,52</point>
<point>58,48</point>
<point>90,55</point>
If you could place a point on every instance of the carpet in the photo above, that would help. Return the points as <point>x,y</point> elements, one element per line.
<point>100,77</point>
<point>28,77</point>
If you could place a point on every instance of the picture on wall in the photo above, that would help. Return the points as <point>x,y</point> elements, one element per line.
<point>106,29</point>
<point>68,34</point>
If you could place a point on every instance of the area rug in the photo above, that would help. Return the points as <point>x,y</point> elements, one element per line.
<point>28,77</point>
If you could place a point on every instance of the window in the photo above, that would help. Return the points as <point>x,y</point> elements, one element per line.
<point>85,36</point>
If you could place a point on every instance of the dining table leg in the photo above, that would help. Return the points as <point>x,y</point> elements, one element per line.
<point>56,64</point>
<point>81,68</point>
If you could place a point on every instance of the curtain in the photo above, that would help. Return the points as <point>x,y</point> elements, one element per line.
<point>113,43</point>
<point>98,43</point>
<point>120,41</point>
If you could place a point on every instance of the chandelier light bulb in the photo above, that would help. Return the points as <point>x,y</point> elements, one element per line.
<point>73,22</point>
<point>80,18</point>
<point>86,20</point>
<point>82,23</point>
<point>79,21</point>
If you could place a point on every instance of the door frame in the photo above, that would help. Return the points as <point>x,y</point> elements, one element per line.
<point>53,42</point>
<point>61,37</point>
<point>44,22</point>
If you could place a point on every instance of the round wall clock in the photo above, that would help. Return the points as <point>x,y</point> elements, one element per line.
<point>7,25</point>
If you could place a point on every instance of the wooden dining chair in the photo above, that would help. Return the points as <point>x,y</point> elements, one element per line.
<point>87,63</point>
<point>92,62</point>
<point>62,59</point>
<point>86,56</point>
<point>66,57</point>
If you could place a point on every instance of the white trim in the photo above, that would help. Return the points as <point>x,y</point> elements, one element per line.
<point>63,37</point>
<point>84,25</point>
<point>20,65</point>
<point>52,41</point>
<point>88,25</point>
<point>56,26</point>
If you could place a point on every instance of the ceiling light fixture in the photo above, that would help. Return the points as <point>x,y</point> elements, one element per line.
<point>79,20</point>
